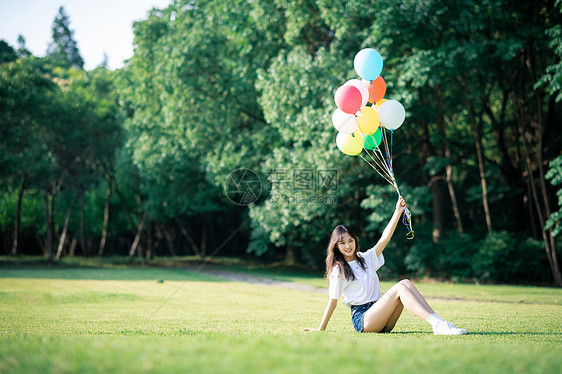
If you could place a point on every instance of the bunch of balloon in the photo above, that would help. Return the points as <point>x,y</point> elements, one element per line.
<point>363,118</point>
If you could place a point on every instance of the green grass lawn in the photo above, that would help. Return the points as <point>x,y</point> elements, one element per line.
<point>102,319</point>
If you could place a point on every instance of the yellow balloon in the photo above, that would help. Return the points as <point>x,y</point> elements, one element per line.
<point>368,120</point>
<point>377,107</point>
<point>379,103</point>
<point>350,144</point>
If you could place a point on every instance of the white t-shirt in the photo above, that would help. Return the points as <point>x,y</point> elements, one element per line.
<point>365,288</point>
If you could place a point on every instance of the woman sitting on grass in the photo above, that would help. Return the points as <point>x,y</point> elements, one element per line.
<point>353,275</point>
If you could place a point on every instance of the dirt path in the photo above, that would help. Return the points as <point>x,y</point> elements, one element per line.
<point>241,277</point>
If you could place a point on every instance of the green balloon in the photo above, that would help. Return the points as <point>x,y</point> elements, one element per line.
<point>372,141</point>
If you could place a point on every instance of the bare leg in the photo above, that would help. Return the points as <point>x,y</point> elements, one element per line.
<point>393,318</point>
<point>417,294</point>
<point>401,295</point>
<point>379,315</point>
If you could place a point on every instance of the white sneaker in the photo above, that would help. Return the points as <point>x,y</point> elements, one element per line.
<point>448,328</point>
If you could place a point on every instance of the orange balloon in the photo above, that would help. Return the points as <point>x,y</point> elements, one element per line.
<point>377,87</point>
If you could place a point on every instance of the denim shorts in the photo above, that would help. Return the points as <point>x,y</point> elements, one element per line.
<point>357,314</point>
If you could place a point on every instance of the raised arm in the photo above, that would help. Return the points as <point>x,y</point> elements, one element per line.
<point>391,226</point>
<point>332,304</point>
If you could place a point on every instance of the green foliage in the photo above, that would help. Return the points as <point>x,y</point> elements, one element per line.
<point>450,257</point>
<point>28,105</point>
<point>7,53</point>
<point>553,72</point>
<point>554,174</point>
<point>498,257</point>
<point>502,256</point>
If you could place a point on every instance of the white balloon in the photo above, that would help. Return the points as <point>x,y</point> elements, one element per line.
<point>392,114</point>
<point>362,88</point>
<point>344,122</point>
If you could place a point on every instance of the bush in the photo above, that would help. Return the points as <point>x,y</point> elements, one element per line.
<point>451,257</point>
<point>498,257</point>
<point>506,257</point>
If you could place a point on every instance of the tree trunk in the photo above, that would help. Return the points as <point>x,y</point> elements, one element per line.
<point>137,238</point>
<point>42,244</point>
<point>204,239</point>
<point>64,230</point>
<point>72,248</point>
<point>476,134</point>
<point>290,255</point>
<point>83,244</point>
<point>528,200</point>
<point>439,216</point>
<point>14,251</point>
<point>105,217</point>
<point>507,164</point>
<point>523,118</point>
<point>449,167</point>
<point>552,259</point>
<point>484,185</point>
<point>194,245</point>
<point>49,225</point>
<point>542,181</point>
<point>169,240</point>
<point>127,212</point>
<point>149,241</point>
<point>427,150</point>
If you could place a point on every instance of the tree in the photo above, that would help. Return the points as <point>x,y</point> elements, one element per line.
<point>7,53</point>
<point>194,115</point>
<point>27,101</point>
<point>22,51</point>
<point>64,48</point>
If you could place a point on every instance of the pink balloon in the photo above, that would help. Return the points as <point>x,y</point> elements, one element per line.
<point>362,88</point>
<point>348,99</point>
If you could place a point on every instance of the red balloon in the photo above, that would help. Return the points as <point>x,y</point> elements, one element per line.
<point>348,99</point>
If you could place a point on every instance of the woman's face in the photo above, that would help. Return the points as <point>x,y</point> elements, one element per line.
<point>346,245</point>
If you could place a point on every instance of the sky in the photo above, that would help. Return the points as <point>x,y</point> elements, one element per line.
<point>99,26</point>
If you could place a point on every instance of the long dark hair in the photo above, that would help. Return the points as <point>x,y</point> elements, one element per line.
<point>335,258</point>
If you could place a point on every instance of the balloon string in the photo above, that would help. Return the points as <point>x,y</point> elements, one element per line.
<point>391,136</point>
<point>407,221</point>
<point>381,170</point>
<point>374,168</point>
<point>377,161</point>
<point>385,169</point>
<point>380,158</point>
<point>385,142</point>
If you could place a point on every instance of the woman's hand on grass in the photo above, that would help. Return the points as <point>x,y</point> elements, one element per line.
<point>310,329</point>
